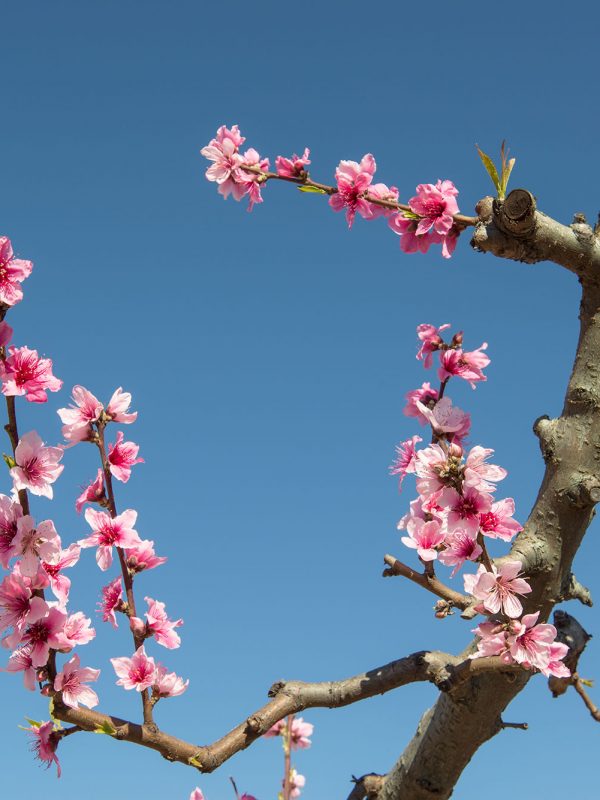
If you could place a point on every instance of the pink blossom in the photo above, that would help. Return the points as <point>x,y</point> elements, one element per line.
<point>436,206</point>
<point>160,626</point>
<point>407,230</point>
<point>44,743</point>
<point>78,630</point>
<point>6,333</point>
<point>10,513</point>
<point>498,589</point>
<point>353,180</point>
<point>71,683</point>
<point>461,546</point>
<point>379,191</point>
<point>196,794</point>
<point>16,603</point>
<point>300,732</point>
<point>492,641</point>
<point>557,652</point>
<point>430,336</point>
<point>498,523</point>
<point>79,416</point>
<point>168,684</point>
<point>142,556</point>
<point>464,510</point>
<point>421,508</point>
<point>405,458</point>
<point>432,468</point>
<point>136,672</point>
<point>425,396</point>
<point>34,544</point>
<point>20,661</point>
<point>468,366</point>
<point>297,782</point>
<point>118,407</point>
<point>122,457</point>
<point>44,634</point>
<point>530,644</point>
<point>448,240</point>
<point>112,600</point>
<point>108,532</point>
<point>292,167</point>
<point>245,182</point>
<point>446,418</point>
<point>12,272</point>
<point>276,729</point>
<point>478,473</point>
<point>94,493</point>
<point>425,538</point>
<point>37,466</point>
<point>223,151</point>
<point>25,373</point>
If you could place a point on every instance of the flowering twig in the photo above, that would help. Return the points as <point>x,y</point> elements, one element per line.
<point>429,582</point>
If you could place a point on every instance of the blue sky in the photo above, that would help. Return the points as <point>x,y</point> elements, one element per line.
<point>269,353</point>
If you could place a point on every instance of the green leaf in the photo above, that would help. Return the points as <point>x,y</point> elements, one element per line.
<point>195,762</point>
<point>312,189</point>
<point>34,723</point>
<point>410,215</point>
<point>490,168</point>
<point>10,462</point>
<point>105,728</point>
<point>506,170</point>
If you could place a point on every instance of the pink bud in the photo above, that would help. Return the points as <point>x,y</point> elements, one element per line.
<point>138,626</point>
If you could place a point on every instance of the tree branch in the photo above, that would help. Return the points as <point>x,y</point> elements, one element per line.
<point>287,698</point>
<point>429,582</point>
<point>366,787</point>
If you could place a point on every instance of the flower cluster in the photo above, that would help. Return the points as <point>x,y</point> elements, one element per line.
<point>295,733</point>
<point>456,509</point>
<point>430,217</point>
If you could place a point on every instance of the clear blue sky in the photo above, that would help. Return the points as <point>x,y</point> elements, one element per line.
<point>269,353</point>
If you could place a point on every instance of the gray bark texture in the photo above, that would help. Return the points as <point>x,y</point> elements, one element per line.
<point>450,733</point>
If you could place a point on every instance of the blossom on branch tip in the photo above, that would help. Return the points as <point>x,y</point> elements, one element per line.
<point>94,493</point>
<point>353,180</point>
<point>136,672</point>
<point>118,408</point>
<point>25,373</point>
<point>78,417</point>
<point>12,272</point>
<point>37,466</point>
<point>223,151</point>
<point>44,743</point>
<point>71,680</point>
<point>122,457</point>
<point>292,167</point>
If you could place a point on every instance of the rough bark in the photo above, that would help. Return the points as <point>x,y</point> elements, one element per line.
<point>450,733</point>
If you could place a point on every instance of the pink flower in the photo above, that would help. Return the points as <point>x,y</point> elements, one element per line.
<point>379,191</point>
<point>448,240</point>
<point>16,608</point>
<point>498,589</point>
<point>136,672</point>
<point>446,418</point>
<point>59,583</point>
<point>430,336</point>
<point>167,684</point>
<point>71,682</point>
<point>468,366</point>
<point>247,183</point>
<point>297,782</point>
<point>223,152</point>
<point>34,544</point>
<point>44,634</point>
<point>498,523</point>
<point>94,493</point>
<point>464,510</point>
<point>25,373</point>
<point>122,457</point>
<point>478,473</point>
<point>12,272</point>
<point>493,641</point>
<point>300,732</point>
<point>37,466</point>
<point>20,661</point>
<point>6,333</point>
<point>196,794</point>
<point>78,630</point>
<point>405,458</point>
<point>142,556</point>
<point>276,729</point>
<point>531,643</point>
<point>108,532</point>
<point>10,513</point>
<point>436,206</point>
<point>407,230</point>
<point>433,469</point>
<point>425,538</point>
<point>353,181</point>
<point>44,743</point>
<point>292,167</point>
<point>112,600</point>
<point>117,408</point>
<point>461,546</point>
<point>78,418</point>
<point>555,667</point>
<point>160,626</point>
<point>425,396</point>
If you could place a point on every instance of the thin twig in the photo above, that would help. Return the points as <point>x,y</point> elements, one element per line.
<point>431,583</point>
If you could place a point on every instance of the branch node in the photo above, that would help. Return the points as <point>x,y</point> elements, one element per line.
<point>516,215</point>
<point>275,688</point>
<point>571,589</point>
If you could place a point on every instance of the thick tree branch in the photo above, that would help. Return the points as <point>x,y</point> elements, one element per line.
<point>366,787</point>
<point>287,698</point>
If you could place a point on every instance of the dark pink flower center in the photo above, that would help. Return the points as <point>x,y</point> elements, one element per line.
<point>488,521</point>
<point>433,207</point>
<point>38,632</point>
